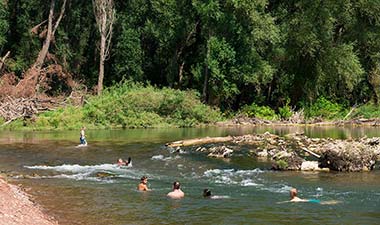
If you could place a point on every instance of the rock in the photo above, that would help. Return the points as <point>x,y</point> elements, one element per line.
<point>287,161</point>
<point>263,154</point>
<point>310,166</point>
<point>104,174</point>
<point>348,156</point>
<point>220,152</point>
<point>281,154</point>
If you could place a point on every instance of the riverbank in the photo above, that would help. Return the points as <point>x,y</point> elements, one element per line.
<point>17,208</point>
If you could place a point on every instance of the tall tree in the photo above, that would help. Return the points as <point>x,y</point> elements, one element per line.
<point>51,29</point>
<point>104,14</point>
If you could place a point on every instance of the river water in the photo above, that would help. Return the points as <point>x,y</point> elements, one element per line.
<point>63,179</point>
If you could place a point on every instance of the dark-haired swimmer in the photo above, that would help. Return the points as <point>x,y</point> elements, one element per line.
<point>143,185</point>
<point>206,193</point>
<point>177,193</point>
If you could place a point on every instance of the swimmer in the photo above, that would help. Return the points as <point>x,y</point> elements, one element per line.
<point>143,184</point>
<point>294,198</point>
<point>177,193</point>
<point>127,162</point>
<point>120,162</point>
<point>206,193</point>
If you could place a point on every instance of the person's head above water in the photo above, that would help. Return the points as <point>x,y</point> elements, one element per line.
<point>293,193</point>
<point>206,193</point>
<point>144,179</point>
<point>176,185</point>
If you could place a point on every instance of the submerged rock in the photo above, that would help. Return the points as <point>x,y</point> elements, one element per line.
<point>220,152</point>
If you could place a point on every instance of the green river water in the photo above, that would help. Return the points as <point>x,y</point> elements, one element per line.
<point>247,191</point>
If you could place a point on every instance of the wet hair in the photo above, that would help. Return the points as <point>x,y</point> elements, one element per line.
<point>206,193</point>
<point>293,193</point>
<point>176,185</point>
<point>143,178</point>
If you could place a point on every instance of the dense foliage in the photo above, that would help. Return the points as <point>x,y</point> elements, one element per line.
<point>285,54</point>
<point>129,105</point>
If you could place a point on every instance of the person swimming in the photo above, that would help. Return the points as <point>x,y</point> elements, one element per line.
<point>294,198</point>
<point>207,193</point>
<point>143,185</point>
<point>121,162</point>
<point>177,193</point>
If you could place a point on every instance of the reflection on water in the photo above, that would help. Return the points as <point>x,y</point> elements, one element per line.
<point>84,186</point>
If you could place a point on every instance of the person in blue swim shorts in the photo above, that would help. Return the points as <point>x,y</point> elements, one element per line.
<point>82,137</point>
<point>294,198</point>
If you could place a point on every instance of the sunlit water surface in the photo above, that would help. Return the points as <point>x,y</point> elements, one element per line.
<point>248,192</point>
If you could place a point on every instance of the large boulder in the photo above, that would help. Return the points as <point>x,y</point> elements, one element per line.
<point>287,161</point>
<point>348,156</point>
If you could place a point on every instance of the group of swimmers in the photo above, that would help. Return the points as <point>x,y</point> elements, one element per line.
<point>176,192</point>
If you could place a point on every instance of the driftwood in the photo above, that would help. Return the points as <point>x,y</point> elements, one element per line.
<point>2,60</point>
<point>14,108</point>
<point>199,141</point>
<point>310,152</point>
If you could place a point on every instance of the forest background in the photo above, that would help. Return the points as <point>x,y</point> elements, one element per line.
<point>188,62</point>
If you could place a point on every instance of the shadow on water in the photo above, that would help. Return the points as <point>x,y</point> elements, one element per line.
<point>84,186</point>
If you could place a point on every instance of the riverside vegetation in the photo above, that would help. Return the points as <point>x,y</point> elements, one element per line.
<point>134,105</point>
<point>269,59</point>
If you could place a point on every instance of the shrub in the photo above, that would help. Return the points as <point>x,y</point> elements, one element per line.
<point>326,109</point>
<point>262,112</point>
<point>366,111</point>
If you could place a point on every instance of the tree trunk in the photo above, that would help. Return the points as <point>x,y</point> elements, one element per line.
<point>103,40</point>
<point>101,64</point>
<point>199,141</point>
<point>180,74</point>
<point>104,14</point>
<point>45,48</point>
<point>205,83</point>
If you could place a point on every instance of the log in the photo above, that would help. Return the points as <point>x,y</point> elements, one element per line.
<point>199,141</point>
<point>310,152</point>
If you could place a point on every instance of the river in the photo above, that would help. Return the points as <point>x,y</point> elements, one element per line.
<point>63,179</point>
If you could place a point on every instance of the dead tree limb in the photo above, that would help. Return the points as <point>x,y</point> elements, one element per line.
<point>104,14</point>
<point>199,141</point>
<point>2,60</point>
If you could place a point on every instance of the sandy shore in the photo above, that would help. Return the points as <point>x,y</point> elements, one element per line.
<point>17,208</point>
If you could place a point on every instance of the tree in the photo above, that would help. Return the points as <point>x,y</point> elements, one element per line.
<point>104,14</point>
<point>51,29</point>
<point>3,31</point>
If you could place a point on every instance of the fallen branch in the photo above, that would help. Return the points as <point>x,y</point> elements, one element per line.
<point>310,152</point>
<point>2,60</point>
<point>199,141</point>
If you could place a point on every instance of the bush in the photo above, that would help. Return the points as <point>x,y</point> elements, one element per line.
<point>366,111</point>
<point>134,105</point>
<point>262,112</point>
<point>325,109</point>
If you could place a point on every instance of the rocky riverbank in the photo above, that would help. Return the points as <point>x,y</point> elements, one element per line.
<point>17,208</point>
<point>295,151</point>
